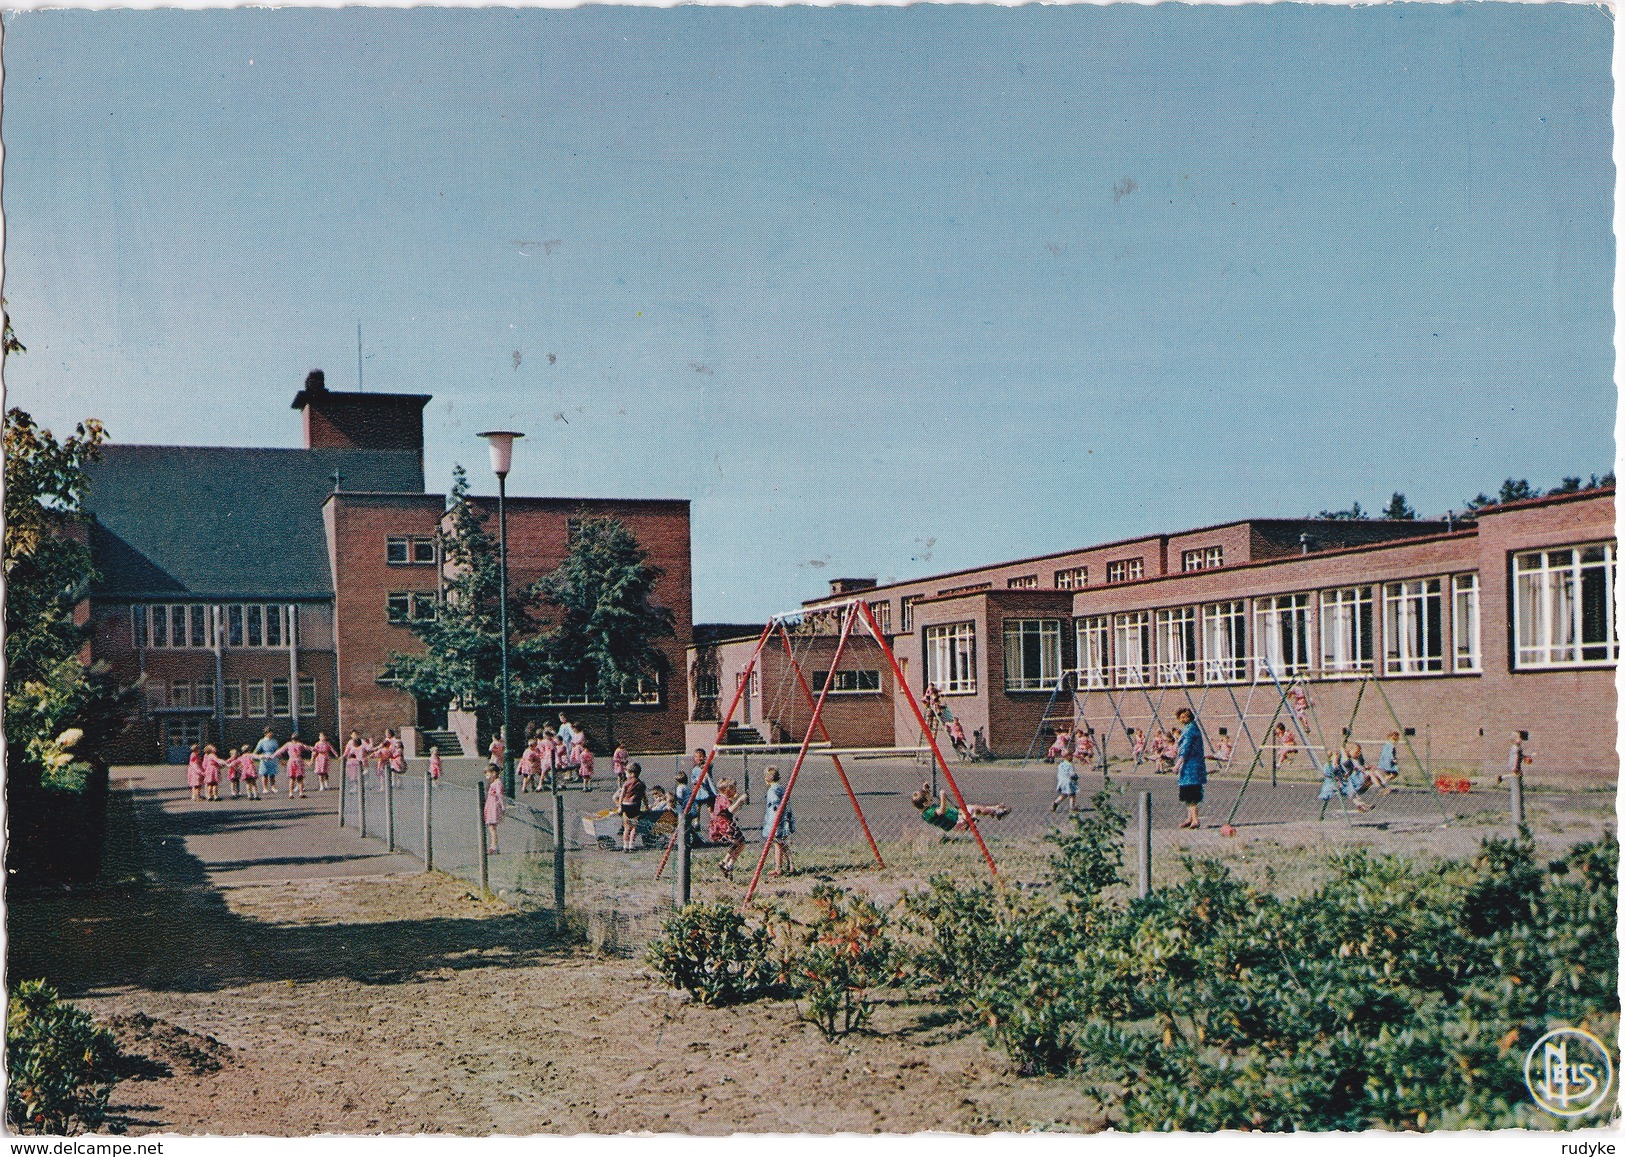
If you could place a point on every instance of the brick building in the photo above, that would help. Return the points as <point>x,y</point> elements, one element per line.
<point>1473,630</point>
<point>252,588</point>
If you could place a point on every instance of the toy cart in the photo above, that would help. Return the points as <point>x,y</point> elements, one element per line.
<point>604,828</point>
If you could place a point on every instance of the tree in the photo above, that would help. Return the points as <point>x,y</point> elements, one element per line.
<point>1516,490</point>
<point>1353,514</point>
<point>462,655</point>
<point>1398,509</point>
<point>604,624</point>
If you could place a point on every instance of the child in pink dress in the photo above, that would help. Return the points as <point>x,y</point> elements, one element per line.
<point>322,757</point>
<point>355,758</point>
<point>530,767</point>
<point>1057,750</point>
<point>295,753</point>
<point>495,807</point>
<point>1084,749</point>
<point>434,764</point>
<point>234,772</point>
<point>548,750</point>
<point>584,764</point>
<point>397,753</point>
<point>618,762</point>
<point>194,772</point>
<point>211,773</point>
<point>249,769</point>
<point>380,759</point>
<point>724,827</point>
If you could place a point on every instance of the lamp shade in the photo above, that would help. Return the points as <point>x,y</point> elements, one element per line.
<point>501,445</point>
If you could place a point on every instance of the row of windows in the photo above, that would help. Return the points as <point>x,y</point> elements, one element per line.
<point>847,681</point>
<point>409,551</point>
<point>410,606</point>
<point>172,625</point>
<point>254,698</point>
<point>1562,616</point>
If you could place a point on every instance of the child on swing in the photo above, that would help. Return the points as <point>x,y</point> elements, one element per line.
<point>724,827</point>
<point>942,814</point>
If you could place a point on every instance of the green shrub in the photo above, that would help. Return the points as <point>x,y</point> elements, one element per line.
<point>60,1065</point>
<point>710,952</point>
<point>846,955</point>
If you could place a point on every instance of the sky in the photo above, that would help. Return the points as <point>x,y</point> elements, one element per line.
<point>883,291</point>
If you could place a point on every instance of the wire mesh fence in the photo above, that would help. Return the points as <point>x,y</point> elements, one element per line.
<point>1277,829</point>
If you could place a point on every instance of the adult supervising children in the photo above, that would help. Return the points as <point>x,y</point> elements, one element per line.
<point>1190,763</point>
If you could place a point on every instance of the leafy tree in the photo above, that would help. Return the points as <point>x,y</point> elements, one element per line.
<point>604,624</point>
<point>1516,490</point>
<point>1398,509</point>
<point>462,655</point>
<point>1353,514</point>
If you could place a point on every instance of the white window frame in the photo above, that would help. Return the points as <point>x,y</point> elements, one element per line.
<point>1032,639</point>
<point>1348,632</point>
<point>1178,647</point>
<point>950,657</point>
<point>1413,627</point>
<point>1281,636</point>
<point>1125,570</point>
<point>1134,646</point>
<point>203,694</point>
<point>1092,634</point>
<point>234,698</point>
<point>907,604</point>
<point>1224,641</point>
<point>307,696</point>
<point>848,682</point>
<point>1202,558</point>
<point>281,704</point>
<point>180,694</point>
<point>1073,578</point>
<point>1024,582</point>
<point>255,701</point>
<point>882,613</point>
<point>194,623</point>
<point>1465,632</point>
<point>1549,600</point>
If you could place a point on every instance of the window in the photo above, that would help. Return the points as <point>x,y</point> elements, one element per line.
<point>234,698</point>
<point>846,681</point>
<point>180,693</point>
<point>157,694</point>
<point>138,625</point>
<point>172,625</point>
<point>1032,654</point>
<point>234,626</point>
<point>1464,621</point>
<point>1413,626</point>
<point>1224,641</point>
<point>1176,645</point>
<point>1563,606</point>
<point>398,607</point>
<point>755,691</point>
<point>203,694</point>
<point>404,551</point>
<point>1203,558</point>
<point>279,698</point>
<point>908,612</point>
<point>1026,582</point>
<point>1281,634</point>
<point>950,658</point>
<point>707,687</point>
<point>1135,649</point>
<point>273,626</point>
<point>1125,570</point>
<point>424,606</point>
<point>965,589</point>
<point>882,614</point>
<point>254,690</point>
<point>1094,657</point>
<point>307,695</point>
<point>1346,631</point>
<point>1071,579</point>
<point>256,625</point>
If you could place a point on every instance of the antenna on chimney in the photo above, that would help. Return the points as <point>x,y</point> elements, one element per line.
<point>359,387</point>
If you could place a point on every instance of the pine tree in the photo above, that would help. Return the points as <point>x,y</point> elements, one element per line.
<point>1398,509</point>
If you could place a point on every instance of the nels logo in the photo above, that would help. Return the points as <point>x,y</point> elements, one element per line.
<point>1568,1072</point>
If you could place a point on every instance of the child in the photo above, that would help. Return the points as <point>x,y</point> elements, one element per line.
<point>251,774</point>
<point>434,764</point>
<point>776,806</point>
<point>956,736</point>
<point>495,806</point>
<point>618,761</point>
<point>266,750</point>
<point>211,774</point>
<point>355,758</point>
<point>1516,758</point>
<point>498,750</point>
<point>584,763</point>
<point>194,772</point>
<point>630,800</point>
<point>1286,744</point>
<point>1057,750</point>
<point>1139,746</point>
<point>1085,748</point>
<point>1387,769</point>
<point>941,814</point>
<point>380,759</point>
<point>295,753</point>
<point>234,771</point>
<point>724,827</point>
<point>397,753</point>
<point>530,767</point>
<point>323,755</point>
<point>549,752</point>
<point>1066,785</point>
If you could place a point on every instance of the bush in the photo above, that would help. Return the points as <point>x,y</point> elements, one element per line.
<point>60,1065</point>
<point>846,955</point>
<point>709,952</point>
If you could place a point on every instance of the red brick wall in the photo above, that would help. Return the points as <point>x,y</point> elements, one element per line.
<point>345,421</point>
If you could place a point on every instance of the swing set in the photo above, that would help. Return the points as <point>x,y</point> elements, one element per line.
<point>854,613</point>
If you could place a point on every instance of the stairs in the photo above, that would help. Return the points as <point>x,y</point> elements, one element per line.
<point>744,735</point>
<point>446,741</point>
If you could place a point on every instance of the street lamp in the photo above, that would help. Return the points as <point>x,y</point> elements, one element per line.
<point>501,446</point>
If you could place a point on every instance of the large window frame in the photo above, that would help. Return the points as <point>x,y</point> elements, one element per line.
<point>1134,648</point>
<point>950,657</point>
<point>1072,578</point>
<point>1125,570</point>
<point>1032,654</point>
<point>848,682</point>
<point>1092,634</point>
<point>1281,637</point>
<point>1466,637</point>
<point>1413,627</point>
<point>1348,632</point>
<point>1224,641</point>
<point>1202,558</point>
<point>1178,647</point>
<point>1563,607</point>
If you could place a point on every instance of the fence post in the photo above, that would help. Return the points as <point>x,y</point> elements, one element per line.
<point>361,798</point>
<point>389,807</point>
<point>1144,849</point>
<point>485,850</point>
<point>428,822</point>
<point>1517,803</point>
<point>685,888</point>
<point>558,853</point>
<point>344,792</point>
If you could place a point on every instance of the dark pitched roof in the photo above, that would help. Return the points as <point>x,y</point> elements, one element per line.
<point>225,522</point>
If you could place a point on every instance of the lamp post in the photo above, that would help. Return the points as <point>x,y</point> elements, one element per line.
<point>500,443</point>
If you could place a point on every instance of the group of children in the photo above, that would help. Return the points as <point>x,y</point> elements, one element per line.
<point>563,752</point>
<point>246,769</point>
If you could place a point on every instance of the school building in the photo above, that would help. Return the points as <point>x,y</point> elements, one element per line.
<point>250,588</point>
<point>1469,631</point>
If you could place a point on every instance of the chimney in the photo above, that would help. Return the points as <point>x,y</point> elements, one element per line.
<point>315,382</point>
<point>336,420</point>
<point>847,586</point>
<point>1303,542</point>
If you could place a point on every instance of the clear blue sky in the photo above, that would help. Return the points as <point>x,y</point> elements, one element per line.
<point>883,291</point>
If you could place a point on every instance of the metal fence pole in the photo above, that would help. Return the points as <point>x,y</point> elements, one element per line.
<point>428,822</point>
<point>344,793</point>
<point>1517,802</point>
<point>389,807</point>
<point>1144,850</point>
<point>361,798</point>
<point>485,851</point>
<point>685,870</point>
<point>558,854</point>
